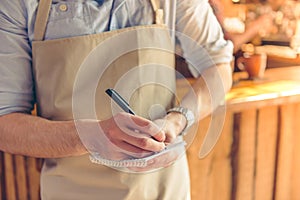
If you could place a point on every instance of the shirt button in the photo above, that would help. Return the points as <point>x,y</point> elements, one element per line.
<point>63,7</point>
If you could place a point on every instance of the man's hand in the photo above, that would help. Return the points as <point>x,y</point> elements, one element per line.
<point>172,125</point>
<point>123,136</point>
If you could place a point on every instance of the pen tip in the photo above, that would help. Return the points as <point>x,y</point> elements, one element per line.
<point>109,91</point>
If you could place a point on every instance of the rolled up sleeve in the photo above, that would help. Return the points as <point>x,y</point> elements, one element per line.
<point>16,84</point>
<point>201,36</point>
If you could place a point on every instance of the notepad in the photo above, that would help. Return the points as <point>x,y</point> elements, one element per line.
<point>138,162</point>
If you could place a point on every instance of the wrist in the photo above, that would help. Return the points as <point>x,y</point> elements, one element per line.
<point>178,120</point>
<point>187,118</point>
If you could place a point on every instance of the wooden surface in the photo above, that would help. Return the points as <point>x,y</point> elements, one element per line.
<point>256,156</point>
<point>266,144</point>
<point>20,177</point>
<point>276,61</point>
<point>211,177</point>
<point>258,151</point>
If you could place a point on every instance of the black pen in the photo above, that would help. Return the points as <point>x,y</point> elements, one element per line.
<point>119,100</point>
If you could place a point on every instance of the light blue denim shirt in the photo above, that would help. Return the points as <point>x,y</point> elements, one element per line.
<point>193,20</point>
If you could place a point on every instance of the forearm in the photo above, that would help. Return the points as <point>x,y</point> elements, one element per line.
<point>242,38</point>
<point>37,137</point>
<point>208,91</point>
<point>205,95</point>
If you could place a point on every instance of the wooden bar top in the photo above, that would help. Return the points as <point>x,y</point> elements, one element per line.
<point>279,86</point>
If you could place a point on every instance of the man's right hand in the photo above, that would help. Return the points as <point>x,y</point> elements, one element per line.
<point>123,136</point>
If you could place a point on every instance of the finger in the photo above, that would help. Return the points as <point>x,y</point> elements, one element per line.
<point>161,124</point>
<point>170,136</point>
<point>160,136</point>
<point>140,121</point>
<point>170,131</point>
<point>142,141</point>
<point>143,125</point>
<point>139,125</point>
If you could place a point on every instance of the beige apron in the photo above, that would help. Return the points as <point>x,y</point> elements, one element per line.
<point>57,66</point>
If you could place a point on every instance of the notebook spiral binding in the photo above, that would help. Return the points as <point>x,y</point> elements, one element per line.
<point>120,163</point>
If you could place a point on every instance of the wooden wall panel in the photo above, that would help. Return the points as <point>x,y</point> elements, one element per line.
<point>20,176</point>
<point>10,185</point>
<point>211,176</point>
<point>244,164</point>
<point>266,145</point>
<point>295,181</point>
<point>34,168</point>
<point>285,153</point>
<point>220,181</point>
<point>199,169</point>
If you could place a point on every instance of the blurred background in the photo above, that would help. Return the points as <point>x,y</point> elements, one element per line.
<point>257,156</point>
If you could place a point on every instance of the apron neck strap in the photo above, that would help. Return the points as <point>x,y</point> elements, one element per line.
<point>41,19</point>
<point>159,14</point>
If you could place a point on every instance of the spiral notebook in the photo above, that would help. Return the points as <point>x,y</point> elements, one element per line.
<point>137,162</point>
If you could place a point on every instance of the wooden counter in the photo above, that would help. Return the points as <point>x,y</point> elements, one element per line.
<point>255,157</point>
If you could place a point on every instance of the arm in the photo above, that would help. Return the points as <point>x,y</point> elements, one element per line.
<point>38,137</point>
<point>25,134</point>
<point>208,55</point>
<point>21,133</point>
<point>208,91</point>
<point>262,25</point>
<point>205,95</point>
